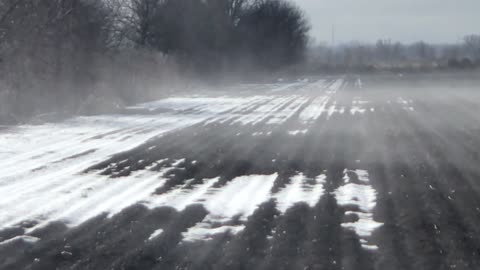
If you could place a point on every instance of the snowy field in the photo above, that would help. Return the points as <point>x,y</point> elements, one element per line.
<point>325,173</point>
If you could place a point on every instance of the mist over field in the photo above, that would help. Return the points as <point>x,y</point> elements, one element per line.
<point>225,134</point>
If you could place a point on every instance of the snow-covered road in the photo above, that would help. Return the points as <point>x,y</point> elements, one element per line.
<point>42,168</point>
<point>328,173</point>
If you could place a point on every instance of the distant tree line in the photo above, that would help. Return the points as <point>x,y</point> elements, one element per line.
<point>385,54</point>
<point>55,53</point>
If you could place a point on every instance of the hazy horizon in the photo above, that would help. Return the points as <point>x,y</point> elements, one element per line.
<point>405,21</point>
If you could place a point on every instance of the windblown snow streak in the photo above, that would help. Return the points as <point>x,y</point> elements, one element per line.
<point>239,198</point>
<point>361,198</point>
<point>300,189</point>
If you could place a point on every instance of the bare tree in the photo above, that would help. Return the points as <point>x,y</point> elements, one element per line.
<point>144,13</point>
<point>275,31</point>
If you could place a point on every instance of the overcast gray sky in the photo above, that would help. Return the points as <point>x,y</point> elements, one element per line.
<point>438,21</point>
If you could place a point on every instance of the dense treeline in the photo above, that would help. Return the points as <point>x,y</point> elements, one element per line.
<point>70,54</point>
<point>47,49</point>
<point>269,33</point>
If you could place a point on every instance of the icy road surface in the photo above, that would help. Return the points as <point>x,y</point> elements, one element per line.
<point>350,172</point>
